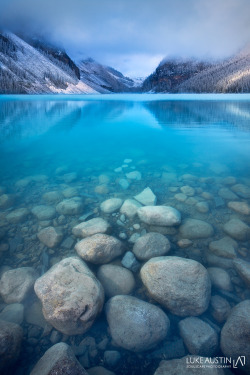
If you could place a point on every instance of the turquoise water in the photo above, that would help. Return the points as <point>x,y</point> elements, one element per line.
<point>51,143</point>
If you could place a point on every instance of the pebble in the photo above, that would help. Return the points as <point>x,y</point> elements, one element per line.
<point>146,197</point>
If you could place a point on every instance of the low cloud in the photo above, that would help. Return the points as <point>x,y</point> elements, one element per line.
<point>134,35</point>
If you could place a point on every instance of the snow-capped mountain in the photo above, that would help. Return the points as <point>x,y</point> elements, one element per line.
<point>25,69</point>
<point>103,78</point>
<point>31,66</point>
<point>229,76</point>
<point>171,73</point>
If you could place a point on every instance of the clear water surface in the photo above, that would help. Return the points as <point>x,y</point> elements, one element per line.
<point>51,143</point>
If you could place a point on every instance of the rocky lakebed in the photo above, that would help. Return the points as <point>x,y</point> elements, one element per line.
<point>129,270</point>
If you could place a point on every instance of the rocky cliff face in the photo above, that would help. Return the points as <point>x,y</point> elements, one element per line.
<point>31,66</point>
<point>103,78</point>
<point>189,76</point>
<point>171,73</point>
<point>25,69</point>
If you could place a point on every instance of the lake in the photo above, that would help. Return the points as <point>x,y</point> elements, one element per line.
<point>61,157</point>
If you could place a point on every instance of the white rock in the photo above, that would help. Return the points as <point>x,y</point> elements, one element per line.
<point>159,215</point>
<point>146,197</point>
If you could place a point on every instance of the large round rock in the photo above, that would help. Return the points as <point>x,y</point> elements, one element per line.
<point>151,245</point>
<point>193,229</point>
<point>181,285</point>
<point>99,248</point>
<point>59,359</point>
<point>71,296</point>
<point>235,334</point>
<point>159,215</point>
<point>134,324</point>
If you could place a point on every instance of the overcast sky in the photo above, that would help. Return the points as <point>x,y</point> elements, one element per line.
<point>133,36</point>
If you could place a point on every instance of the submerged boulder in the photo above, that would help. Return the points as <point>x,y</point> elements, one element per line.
<point>151,245</point>
<point>111,205</point>
<point>72,206</point>
<point>159,215</point>
<point>235,334</point>
<point>99,248</point>
<point>43,212</point>
<point>225,247</point>
<point>91,227</point>
<point>59,359</point>
<point>50,236</point>
<point>17,216</point>
<point>237,229</point>
<point>181,285</point>
<point>71,296</point>
<point>194,229</point>
<point>134,324</point>
<point>198,336</point>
